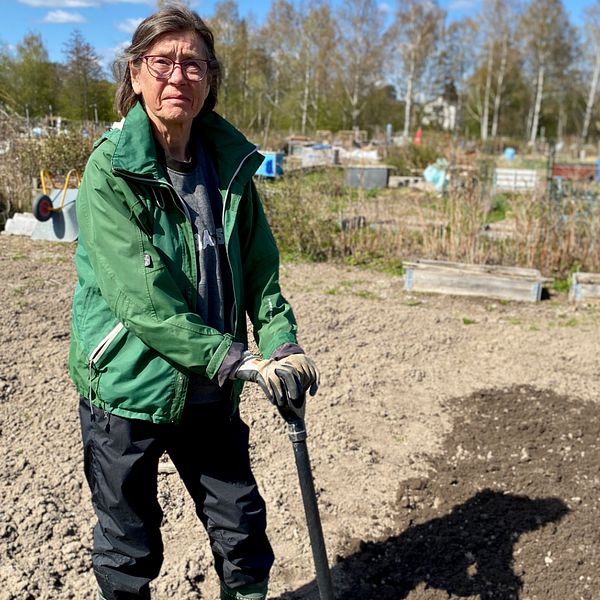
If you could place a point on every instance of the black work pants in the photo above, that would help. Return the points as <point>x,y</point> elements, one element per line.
<point>209,448</point>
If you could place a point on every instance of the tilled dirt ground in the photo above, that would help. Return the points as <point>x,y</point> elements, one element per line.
<point>454,443</point>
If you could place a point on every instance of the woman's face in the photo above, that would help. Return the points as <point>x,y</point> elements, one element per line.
<point>174,100</point>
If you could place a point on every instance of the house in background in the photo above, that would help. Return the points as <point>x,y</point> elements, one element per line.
<point>439,113</point>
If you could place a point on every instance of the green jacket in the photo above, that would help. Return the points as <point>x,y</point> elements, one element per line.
<point>135,337</point>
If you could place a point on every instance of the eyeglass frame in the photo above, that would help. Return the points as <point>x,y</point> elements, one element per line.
<point>209,64</point>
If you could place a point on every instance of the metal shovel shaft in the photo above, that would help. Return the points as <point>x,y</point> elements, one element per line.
<point>297,435</point>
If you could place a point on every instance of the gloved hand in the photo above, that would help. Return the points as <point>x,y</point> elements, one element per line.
<point>277,380</point>
<point>306,370</point>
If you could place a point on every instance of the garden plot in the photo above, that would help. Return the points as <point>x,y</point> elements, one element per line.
<point>454,443</point>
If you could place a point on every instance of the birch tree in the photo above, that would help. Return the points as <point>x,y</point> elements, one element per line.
<point>319,39</point>
<point>280,41</point>
<point>496,18</point>
<point>359,59</point>
<point>456,59</point>
<point>592,31</point>
<point>243,66</point>
<point>545,32</point>
<point>415,31</point>
<point>227,26</point>
<point>500,75</point>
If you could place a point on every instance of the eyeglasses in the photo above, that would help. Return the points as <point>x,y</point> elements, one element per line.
<point>162,67</point>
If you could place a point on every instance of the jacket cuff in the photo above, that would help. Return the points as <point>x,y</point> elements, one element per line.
<point>231,362</point>
<point>286,350</point>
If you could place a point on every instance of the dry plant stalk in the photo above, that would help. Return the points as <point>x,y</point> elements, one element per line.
<point>558,235</point>
<point>460,221</point>
<point>15,182</point>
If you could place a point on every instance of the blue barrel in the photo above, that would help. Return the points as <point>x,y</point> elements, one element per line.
<point>272,165</point>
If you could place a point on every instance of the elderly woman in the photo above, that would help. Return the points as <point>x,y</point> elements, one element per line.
<point>174,252</point>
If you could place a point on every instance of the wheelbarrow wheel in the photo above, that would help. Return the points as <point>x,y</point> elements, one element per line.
<point>42,207</point>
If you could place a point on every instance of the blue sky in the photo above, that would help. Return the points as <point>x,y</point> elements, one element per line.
<point>108,24</point>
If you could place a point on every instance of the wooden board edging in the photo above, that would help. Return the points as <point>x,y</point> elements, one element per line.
<point>494,281</point>
<point>584,286</point>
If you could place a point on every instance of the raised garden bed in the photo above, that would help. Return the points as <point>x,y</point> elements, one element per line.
<point>493,281</point>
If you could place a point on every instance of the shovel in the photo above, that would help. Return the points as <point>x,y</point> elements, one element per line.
<point>293,414</point>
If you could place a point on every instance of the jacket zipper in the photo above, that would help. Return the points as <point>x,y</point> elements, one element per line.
<point>180,204</point>
<point>233,316</point>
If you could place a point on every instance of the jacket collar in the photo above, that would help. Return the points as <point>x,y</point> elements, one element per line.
<point>136,152</point>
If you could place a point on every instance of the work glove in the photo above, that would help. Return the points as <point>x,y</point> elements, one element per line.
<point>306,370</point>
<point>277,380</point>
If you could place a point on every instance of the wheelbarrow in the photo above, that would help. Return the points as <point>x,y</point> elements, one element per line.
<point>54,208</point>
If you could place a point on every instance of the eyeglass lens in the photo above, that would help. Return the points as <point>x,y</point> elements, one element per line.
<point>162,67</point>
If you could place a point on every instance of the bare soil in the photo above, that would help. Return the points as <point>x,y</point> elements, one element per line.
<point>455,445</point>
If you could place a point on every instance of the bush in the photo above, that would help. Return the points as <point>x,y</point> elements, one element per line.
<point>301,210</point>
<point>26,157</point>
<point>412,157</point>
<point>316,217</point>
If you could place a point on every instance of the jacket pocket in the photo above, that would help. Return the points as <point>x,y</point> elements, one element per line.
<point>94,359</point>
<point>105,343</point>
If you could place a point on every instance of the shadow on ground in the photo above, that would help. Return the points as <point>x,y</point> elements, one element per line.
<point>504,513</point>
<point>469,552</point>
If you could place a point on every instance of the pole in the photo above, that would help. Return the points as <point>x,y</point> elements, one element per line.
<point>297,435</point>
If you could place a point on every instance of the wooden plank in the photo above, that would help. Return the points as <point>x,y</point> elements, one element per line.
<point>475,268</point>
<point>493,281</point>
<point>515,179</point>
<point>527,174</point>
<point>583,277</point>
<point>584,287</point>
<point>575,172</point>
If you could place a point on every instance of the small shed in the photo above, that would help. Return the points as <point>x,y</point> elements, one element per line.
<point>366,176</point>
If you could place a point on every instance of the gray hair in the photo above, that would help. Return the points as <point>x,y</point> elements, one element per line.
<point>173,18</point>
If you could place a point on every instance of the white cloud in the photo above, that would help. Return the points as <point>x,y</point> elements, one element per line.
<point>129,25</point>
<point>62,16</point>
<point>384,8</point>
<point>61,3</point>
<point>108,55</point>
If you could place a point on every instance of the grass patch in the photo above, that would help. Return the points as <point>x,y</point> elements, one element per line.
<point>571,322</point>
<point>498,211</point>
<point>366,294</point>
<point>412,302</point>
